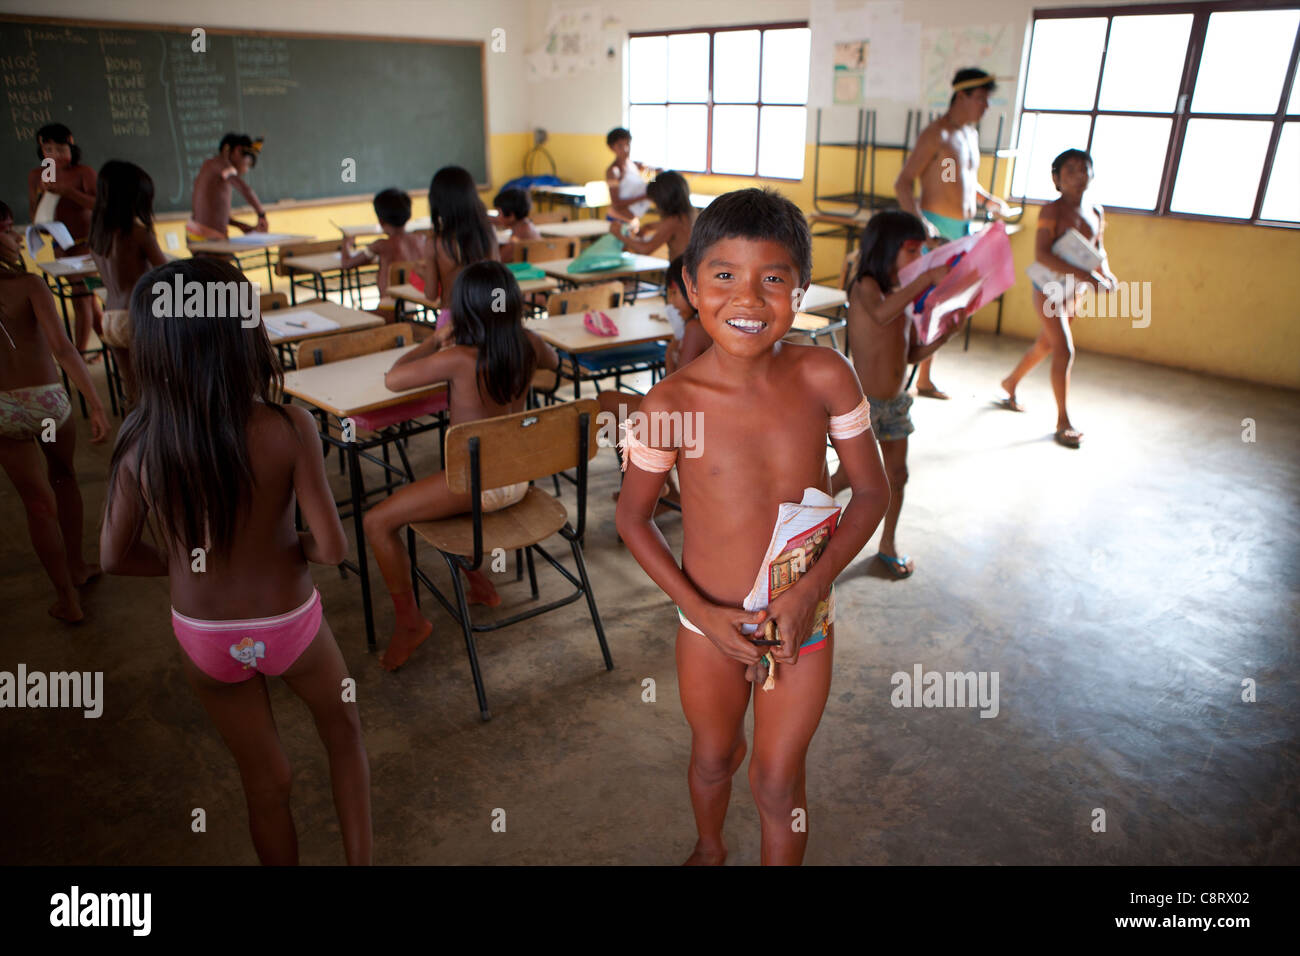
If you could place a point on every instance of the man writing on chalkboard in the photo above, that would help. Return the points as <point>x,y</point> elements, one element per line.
<point>210,218</point>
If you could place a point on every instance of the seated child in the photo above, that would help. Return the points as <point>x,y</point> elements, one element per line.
<point>38,436</point>
<point>488,370</point>
<point>393,210</point>
<point>212,465</point>
<point>765,408</point>
<point>882,346</point>
<point>672,198</point>
<point>462,234</point>
<point>1072,174</point>
<point>625,179</point>
<point>513,207</point>
<point>124,247</point>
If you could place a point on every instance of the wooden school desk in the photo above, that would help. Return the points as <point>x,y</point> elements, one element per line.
<point>248,247</point>
<point>569,336</point>
<point>60,274</point>
<point>343,389</point>
<point>422,224</point>
<point>408,293</point>
<point>320,266</point>
<point>827,300</point>
<point>579,229</point>
<point>575,196</point>
<point>634,267</point>
<point>280,327</point>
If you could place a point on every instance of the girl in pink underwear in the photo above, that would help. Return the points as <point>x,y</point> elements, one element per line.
<point>488,368</point>
<point>37,433</point>
<point>211,465</point>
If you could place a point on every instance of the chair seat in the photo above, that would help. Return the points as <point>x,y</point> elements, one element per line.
<point>381,419</point>
<point>534,518</point>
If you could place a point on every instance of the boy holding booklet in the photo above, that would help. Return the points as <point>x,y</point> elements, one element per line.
<point>764,408</point>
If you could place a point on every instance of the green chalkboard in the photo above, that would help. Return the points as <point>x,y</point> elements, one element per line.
<point>399,109</point>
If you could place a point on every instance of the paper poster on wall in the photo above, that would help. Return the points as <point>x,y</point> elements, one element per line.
<point>573,42</point>
<point>893,71</point>
<point>944,51</point>
<point>850,70</point>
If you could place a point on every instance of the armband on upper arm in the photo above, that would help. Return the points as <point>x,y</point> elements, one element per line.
<point>653,460</point>
<point>852,423</point>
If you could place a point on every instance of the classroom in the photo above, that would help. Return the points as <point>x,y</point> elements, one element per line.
<point>387,387</point>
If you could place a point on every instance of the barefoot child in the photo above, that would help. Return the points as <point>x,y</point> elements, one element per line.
<point>766,407</point>
<point>514,207</point>
<point>881,342</point>
<point>672,198</point>
<point>124,247</point>
<point>73,185</point>
<point>488,369</point>
<point>1072,174</point>
<point>393,210</point>
<point>213,464</point>
<point>38,437</point>
<point>462,234</point>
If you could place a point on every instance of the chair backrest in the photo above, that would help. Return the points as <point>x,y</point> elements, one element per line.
<point>532,444</point>
<point>333,348</point>
<point>399,273</point>
<point>273,300</point>
<point>605,295</point>
<point>544,250</point>
<point>850,269</point>
<point>315,247</point>
<point>551,215</point>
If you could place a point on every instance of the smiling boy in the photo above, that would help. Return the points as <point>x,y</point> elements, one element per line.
<point>765,408</point>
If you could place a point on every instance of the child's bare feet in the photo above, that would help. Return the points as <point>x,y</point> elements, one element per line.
<point>67,608</point>
<point>706,855</point>
<point>481,590</point>
<point>404,641</point>
<point>84,572</point>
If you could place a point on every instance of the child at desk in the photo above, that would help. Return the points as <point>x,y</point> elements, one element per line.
<point>66,184</point>
<point>672,198</point>
<point>462,235</point>
<point>764,409</point>
<point>393,210</point>
<point>124,247</point>
<point>210,217</point>
<point>513,207</point>
<point>882,345</point>
<point>38,437</point>
<point>625,179</point>
<point>488,370</point>
<point>213,463</point>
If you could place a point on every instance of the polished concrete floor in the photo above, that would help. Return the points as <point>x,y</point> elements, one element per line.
<point>1122,592</point>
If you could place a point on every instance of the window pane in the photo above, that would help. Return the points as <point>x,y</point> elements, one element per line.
<point>687,136</point>
<point>688,67</point>
<point>1063,64</point>
<point>647,65</point>
<point>1282,198</point>
<point>735,139</point>
<point>1218,174</point>
<point>1044,136</point>
<point>785,68</point>
<point>735,67</point>
<point>648,126</point>
<point>780,141</point>
<point>1144,63</point>
<point>1128,155</point>
<point>1244,61</point>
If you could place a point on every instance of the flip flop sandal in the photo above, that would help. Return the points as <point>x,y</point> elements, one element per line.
<point>897,565</point>
<point>933,393</point>
<point>1068,437</point>
<point>607,325</point>
<point>1010,404</point>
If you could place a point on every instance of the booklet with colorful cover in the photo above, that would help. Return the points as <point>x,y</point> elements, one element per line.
<point>798,540</point>
<point>982,269</point>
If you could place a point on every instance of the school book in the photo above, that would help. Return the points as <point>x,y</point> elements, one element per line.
<point>799,537</point>
<point>1075,249</point>
<point>297,322</point>
<point>982,269</point>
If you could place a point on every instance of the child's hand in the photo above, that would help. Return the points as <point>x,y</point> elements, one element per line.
<point>98,426</point>
<point>262,225</point>
<point>793,612</point>
<point>936,275</point>
<point>721,625</point>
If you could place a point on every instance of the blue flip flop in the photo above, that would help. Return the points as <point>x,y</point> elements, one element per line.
<point>897,565</point>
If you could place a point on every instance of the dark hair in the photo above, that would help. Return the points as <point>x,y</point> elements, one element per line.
<point>199,379</point>
<point>56,133</point>
<point>752,214</point>
<point>506,359</point>
<point>236,139</point>
<point>514,203</point>
<point>5,211</point>
<point>673,274</point>
<point>123,194</point>
<point>972,73</point>
<point>671,194</point>
<point>392,207</point>
<point>1068,155</point>
<point>884,235</point>
<point>614,135</point>
<point>460,222</point>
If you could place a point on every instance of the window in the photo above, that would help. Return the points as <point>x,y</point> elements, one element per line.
<point>1188,109</point>
<point>730,101</point>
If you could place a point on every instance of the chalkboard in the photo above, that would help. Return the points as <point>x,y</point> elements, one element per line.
<point>399,109</point>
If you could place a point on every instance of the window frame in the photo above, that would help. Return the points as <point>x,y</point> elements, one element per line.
<point>708,103</point>
<point>1182,112</point>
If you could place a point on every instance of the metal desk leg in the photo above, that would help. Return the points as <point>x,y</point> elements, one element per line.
<point>358,521</point>
<point>998,330</point>
<point>270,275</point>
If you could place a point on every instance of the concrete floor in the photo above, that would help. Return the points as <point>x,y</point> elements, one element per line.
<point>1122,592</point>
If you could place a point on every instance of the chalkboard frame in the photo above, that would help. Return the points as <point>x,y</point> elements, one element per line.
<point>188,29</point>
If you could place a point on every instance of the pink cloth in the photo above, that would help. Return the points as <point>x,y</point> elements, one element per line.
<point>232,651</point>
<point>374,421</point>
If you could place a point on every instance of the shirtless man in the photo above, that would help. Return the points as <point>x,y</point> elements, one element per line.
<point>211,215</point>
<point>947,161</point>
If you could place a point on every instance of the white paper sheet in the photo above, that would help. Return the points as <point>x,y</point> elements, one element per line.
<point>281,324</point>
<point>57,231</point>
<point>45,208</point>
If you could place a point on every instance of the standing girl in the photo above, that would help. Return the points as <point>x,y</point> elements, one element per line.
<point>212,461</point>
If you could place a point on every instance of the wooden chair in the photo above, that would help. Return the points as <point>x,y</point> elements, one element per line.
<point>543,250</point>
<point>552,215</point>
<point>399,273</point>
<point>320,285</point>
<point>270,301</point>
<point>494,453</point>
<point>605,295</point>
